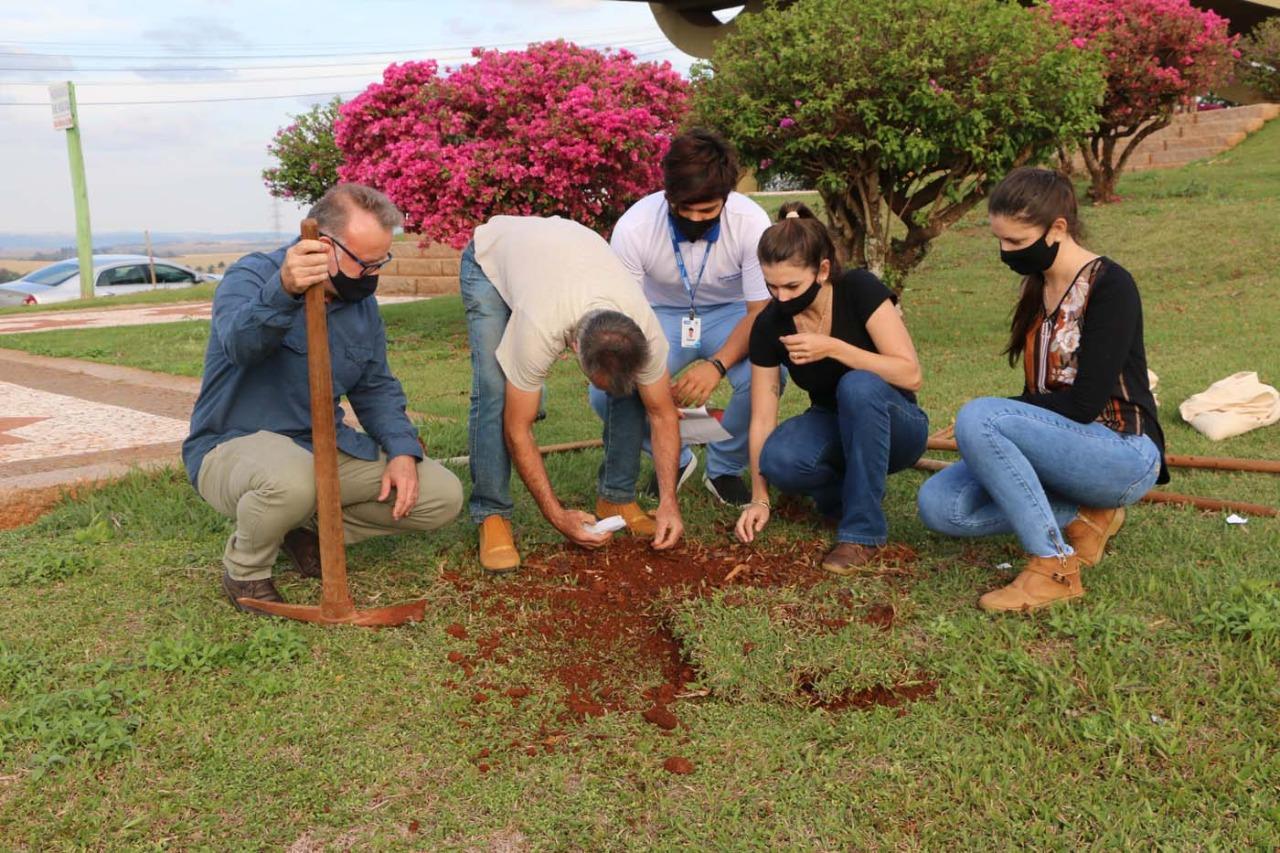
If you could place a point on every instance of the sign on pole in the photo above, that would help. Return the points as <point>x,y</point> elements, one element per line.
<point>60,95</point>
<point>63,96</point>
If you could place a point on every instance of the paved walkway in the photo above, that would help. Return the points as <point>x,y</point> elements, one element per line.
<point>125,315</point>
<point>66,423</point>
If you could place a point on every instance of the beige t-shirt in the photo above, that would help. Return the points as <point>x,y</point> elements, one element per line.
<point>551,272</point>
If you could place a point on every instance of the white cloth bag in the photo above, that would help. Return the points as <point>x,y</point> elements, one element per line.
<point>1232,406</point>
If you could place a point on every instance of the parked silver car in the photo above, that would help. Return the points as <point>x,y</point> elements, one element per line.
<point>113,275</point>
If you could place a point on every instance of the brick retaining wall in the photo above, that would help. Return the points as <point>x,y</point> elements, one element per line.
<point>415,271</point>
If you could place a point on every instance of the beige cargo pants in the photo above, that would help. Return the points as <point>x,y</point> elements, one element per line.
<point>267,484</point>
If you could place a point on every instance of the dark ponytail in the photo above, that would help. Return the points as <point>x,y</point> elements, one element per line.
<point>800,239</point>
<point>1036,197</point>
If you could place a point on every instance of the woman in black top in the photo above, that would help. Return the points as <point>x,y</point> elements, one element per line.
<point>842,339</point>
<point>1082,440</point>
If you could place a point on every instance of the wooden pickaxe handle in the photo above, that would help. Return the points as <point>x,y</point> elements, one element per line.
<point>335,600</point>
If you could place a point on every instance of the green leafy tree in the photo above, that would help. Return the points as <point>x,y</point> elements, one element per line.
<point>901,113</point>
<point>1259,66</point>
<point>307,159</point>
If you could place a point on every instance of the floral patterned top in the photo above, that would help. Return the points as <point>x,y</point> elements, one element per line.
<point>1086,360</point>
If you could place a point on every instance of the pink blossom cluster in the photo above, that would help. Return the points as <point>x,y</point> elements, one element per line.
<point>1158,53</point>
<point>554,129</point>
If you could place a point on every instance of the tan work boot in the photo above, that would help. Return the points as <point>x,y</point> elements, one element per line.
<point>638,521</point>
<point>1044,581</point>
<point>1091,529</point>
<point>497,546</point>
<point>847,558</point>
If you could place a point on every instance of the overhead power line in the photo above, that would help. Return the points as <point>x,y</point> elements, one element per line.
<point>196,69</point>
<point>45,104</point>
<point>373,68</point>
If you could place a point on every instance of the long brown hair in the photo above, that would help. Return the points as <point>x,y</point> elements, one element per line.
<point>1036,197</point>
<point>801,239</point>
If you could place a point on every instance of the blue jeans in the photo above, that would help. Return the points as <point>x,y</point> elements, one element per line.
<point>1026,470</point>
<point>723,457</point>
<point>842,458</point>
<point>490,462</point>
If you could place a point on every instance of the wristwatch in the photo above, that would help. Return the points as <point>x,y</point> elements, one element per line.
<point>719,365</point>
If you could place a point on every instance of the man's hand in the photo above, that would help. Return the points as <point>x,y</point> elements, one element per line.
<point>306,264</point>
<point>401,474</point>
<point>808,347</point>
<point>752,521</point>
<point>573,524</point>
<point>694,387</point>
<point>670,526</point>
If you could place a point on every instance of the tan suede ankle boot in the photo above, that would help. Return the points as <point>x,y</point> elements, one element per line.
<point>639,522</point>
<point>497,545</point>
<point>1044,581</point>
<point>1091,529</point>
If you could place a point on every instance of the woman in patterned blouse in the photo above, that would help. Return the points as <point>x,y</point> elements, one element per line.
<point>1057,464</point>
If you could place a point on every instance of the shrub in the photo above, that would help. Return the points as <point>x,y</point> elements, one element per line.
<point>1259,66</point>
<point>306,157</point>
<point>900,113</point>
<point>556,129</point>
<point>1157,55</point>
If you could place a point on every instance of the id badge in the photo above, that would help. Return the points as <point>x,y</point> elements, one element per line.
<point>690,332</point>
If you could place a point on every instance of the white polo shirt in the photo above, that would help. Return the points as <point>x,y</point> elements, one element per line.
<point>642,241</point>
<point>551,272</point>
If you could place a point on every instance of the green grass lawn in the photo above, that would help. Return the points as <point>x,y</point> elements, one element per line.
<point>138,710</point>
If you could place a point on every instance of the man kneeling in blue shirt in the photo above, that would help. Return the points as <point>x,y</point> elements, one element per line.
<point>249,451</point>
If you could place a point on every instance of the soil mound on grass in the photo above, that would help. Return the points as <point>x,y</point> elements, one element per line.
<point>596,623</point>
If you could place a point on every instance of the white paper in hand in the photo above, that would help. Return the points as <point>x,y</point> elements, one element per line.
<point>698,426</point>
<point>607,525</point>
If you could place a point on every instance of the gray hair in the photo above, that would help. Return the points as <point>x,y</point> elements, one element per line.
<point>334,208</point>
<point>611,344</point>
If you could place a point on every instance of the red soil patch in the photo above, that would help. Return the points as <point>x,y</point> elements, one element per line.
<point>676,764</point>
<point>18,509</point>
<point>593,615</point>
<point>891,696</point>
<point>594,624</point>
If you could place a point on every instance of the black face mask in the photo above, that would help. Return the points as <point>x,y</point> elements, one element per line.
<point>353,289</point>
<point>796,304</point>
<point>1033,259</point>
<point>694,230</point>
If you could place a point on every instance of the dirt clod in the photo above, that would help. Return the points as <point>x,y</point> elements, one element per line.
<point>456,631</point>
<point>678,765</point>
<point>661,717</point>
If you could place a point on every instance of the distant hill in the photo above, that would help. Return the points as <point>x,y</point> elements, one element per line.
<point>163,242</point>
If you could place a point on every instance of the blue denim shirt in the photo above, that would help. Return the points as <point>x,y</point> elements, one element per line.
<point>255,370</point>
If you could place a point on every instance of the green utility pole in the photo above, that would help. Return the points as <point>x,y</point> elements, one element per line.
<point>66,118</point>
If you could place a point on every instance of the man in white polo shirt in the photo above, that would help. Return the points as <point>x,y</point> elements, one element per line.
<point>533,287</point>
<point>692,248</point>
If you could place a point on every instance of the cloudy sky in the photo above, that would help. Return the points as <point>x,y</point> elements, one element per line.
<point>221,76</point>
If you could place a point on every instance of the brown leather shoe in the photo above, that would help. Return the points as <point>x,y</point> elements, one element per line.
<point>1044,581</point>
<point>847,558</point>
<point>498,545</point>
<point>262,590</point>
<point>1091,529</point>
<point>639,522</point>
<point>303,549</point>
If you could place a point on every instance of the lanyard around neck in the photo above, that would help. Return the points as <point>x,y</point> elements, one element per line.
<point>689,288</point>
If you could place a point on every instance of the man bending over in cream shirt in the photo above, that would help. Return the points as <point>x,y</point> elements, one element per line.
<point>533,287</point>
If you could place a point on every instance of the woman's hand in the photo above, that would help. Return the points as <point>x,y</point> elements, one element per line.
<point>808,347</point>
<point>753,519</point>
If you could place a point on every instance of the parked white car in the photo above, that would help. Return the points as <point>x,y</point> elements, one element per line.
<point>113,275</point>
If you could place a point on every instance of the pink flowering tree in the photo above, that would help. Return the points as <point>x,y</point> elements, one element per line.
<point>306,158</point>
<point>554,129</point>
<point>1158,55</point>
